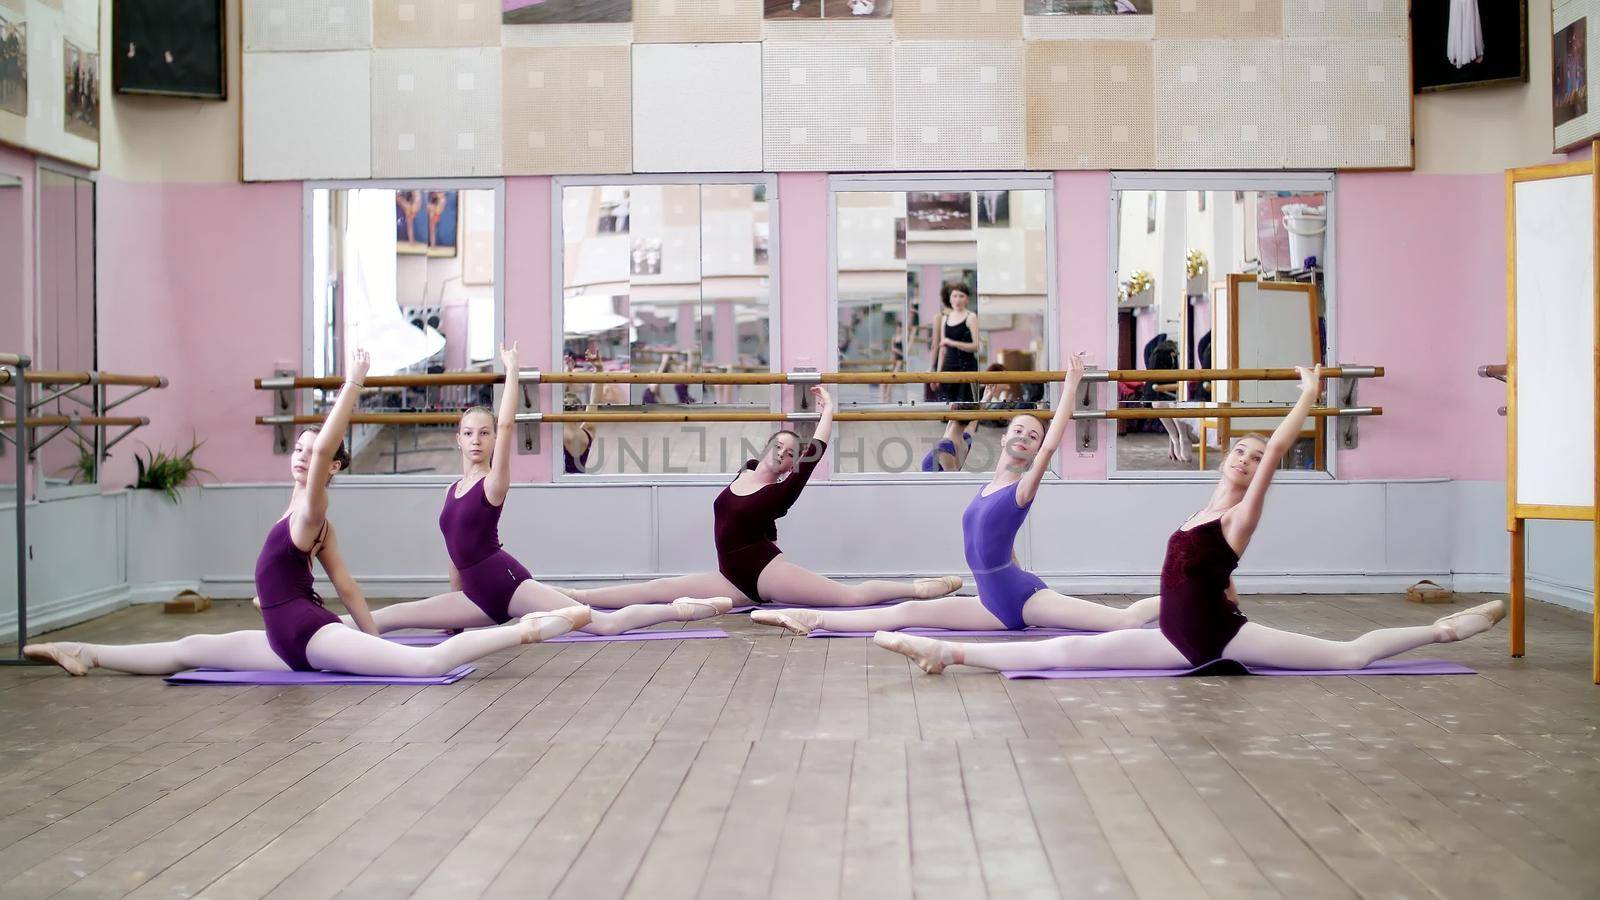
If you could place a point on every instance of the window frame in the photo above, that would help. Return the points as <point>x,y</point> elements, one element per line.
<point>1323,182</point>
<point>953,181</point>
<point>559,184</point>
<point>309,290</point>
<point>42,490</point>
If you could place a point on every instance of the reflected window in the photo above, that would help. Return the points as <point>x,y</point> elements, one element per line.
<point>66,232</point>
<point>674,279</point>
<point>949,280</point>
<point>409,275</point>
<point>1217,278</point>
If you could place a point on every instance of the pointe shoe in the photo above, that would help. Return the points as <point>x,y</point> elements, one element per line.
<point>800,622</point>
<point>66,654</point>
<point>1452,628</point>
<point>692,608</point>
<point>928,588</point>
<point>929,655</point>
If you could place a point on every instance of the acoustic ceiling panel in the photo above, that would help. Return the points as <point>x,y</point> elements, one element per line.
<point>567,110</point>
<point>828,107</point>
<point>1361,91</point>
<point>436,113</point>
<point>307,115</point>
<point>1219,104</point>
<point>690,21</point>
<point>1346,18</point>
<point>1081,27</point>
<point>926,20</point>
<point>1219,18</point>
<point>586,35</point>
<point>855,31</point>
<point>958,105</point>
<point>1090,105</point>
<point>286,25</point>
<point>436,23</point>
<point>696,107</point>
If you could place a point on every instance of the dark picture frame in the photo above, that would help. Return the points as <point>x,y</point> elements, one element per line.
<point>1505,47</point>
<point>185,29</point>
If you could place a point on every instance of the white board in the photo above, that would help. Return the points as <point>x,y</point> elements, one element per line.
<point>1275,332</point>
<point>1555,341</point>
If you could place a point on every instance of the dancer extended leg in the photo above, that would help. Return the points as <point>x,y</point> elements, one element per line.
<point>1133,648</point>
<point>451,610</point>
<point>660,590</point>
<point>954,613</point>
<point>341,649</point>
<point>532,596</point>
<point>239,650</point>
<point>1048,609</point>
<point>1259,645</point>
<point>784,582</point>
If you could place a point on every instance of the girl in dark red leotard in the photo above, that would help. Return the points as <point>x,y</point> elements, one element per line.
<point>300,634</point>
<point>749,564</point>
<point>1200,618</point>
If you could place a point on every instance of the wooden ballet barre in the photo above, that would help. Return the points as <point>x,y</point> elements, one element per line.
<point>14,359</point>
<point>529,376</point>
<point>110,379</point>
<point>91,421</point>
<point>1223,412</point>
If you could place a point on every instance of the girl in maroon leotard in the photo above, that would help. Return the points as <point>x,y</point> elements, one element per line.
<point>300,634</point>
<point>1200,618</point>
<point>750,566</point>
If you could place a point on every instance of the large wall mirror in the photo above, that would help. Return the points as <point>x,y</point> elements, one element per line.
<point>13,291</point>
<point>66,321</point>
<point>408,273</point>
<point>1216,277</point>
<point>670,278</point>
<point>949,278</point>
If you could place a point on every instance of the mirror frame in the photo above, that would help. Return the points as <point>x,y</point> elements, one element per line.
<point>41,490</point>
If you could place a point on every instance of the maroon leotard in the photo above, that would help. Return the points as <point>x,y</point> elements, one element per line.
<point>746,530</point>
<point>1197,616</point>
<point>290,607</point>
<point>489,575</point>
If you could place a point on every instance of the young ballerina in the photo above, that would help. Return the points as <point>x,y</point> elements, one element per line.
<point>1200,618</point>
<point>750,566</point>
<point>301,635</point>
<point>489,585</point>
<point>1009,598</point>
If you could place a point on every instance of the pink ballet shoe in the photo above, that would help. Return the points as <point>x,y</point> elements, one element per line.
<point>800,622</point>
<point>1453,627</point>
<point>67,654</point>
<point>931,656</point>
<point>693,608</point>
<point>929,588</point>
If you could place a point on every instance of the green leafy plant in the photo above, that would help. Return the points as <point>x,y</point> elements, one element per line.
<point>84,469</point>
<point>163,471</point>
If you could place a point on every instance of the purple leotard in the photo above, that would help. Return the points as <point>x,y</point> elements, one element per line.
<point>489,575</point>
<point>745,528</point>
<point>988,531</point>
<point>291,608</point>
<point>1197,616</point>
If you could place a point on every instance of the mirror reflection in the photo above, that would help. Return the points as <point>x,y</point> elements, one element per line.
<point>672,279</point>
<point>410,276</point>
<point>937,281</point>
<point>1216,280</point>
<point>13,225</point>
<point>66,327</point>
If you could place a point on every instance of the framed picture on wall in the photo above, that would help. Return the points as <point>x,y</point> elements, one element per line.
<point>13,63</point>
<point>1570,76</point>
<point>565,12</point>
<point>81,88</point>
<point>827,9</point>
<point>176,48</point>
<point>1088,7</point>
<point>425,222</point>
<point>1445,56</point>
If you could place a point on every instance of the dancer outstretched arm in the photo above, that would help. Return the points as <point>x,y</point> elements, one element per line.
<point>498,481</point>
<point>350,593</point>
<point>1239,522</point>
<point>1028,486</point>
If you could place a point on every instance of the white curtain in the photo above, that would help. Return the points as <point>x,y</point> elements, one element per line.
<point>372,318</point>
<point>1465,44</point>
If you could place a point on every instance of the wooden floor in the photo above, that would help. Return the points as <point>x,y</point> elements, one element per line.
<point>763,765</point>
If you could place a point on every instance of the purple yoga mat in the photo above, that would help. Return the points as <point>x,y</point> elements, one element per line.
<point>1229,667</point>
<point>226,676</point>
<point>576,637</point>
<point>945,633</point>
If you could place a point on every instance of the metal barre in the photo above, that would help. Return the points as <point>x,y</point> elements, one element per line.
<point>931,415</point>
<point>1001,377</point>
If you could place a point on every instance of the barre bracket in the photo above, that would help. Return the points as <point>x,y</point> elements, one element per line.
<point>1348,428</point>
<point>1088,435</point>
<point>283,395</point>
<point>528,432</point>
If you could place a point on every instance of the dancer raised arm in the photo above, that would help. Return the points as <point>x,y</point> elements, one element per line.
<point>1199,612</point>
<point>1009,598</point>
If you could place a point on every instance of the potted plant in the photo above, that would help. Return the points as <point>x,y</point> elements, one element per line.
<point>1139,290</point>
<point>159,470</point>
<point>1194,265</point>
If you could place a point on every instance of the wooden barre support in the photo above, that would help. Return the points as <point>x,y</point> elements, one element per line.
<point>110,379</point>
<point>887,415</point>
<point>91,421</point>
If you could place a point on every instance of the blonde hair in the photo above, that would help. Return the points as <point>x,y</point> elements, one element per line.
<point>480,409</point>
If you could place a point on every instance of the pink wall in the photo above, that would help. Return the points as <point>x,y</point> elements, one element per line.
<point>527,304</point>
<point>1083,260</point>
<point>16,307</point>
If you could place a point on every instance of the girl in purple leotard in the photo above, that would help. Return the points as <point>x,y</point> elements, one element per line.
<point>489,586</point>
<point>300,634</point>
<point>1009,598</point>
<point>1200,618</point>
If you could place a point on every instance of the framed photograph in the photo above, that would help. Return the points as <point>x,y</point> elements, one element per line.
<point>994,209</point>
<point>939,210</point>
<point>828,9</point>
<point>82,91</point>
<point>565,12</point>
<point>1150,213</point>
<point>425,222</point>
<point>1569,56</point>
<point>1088,7</point>
<point>646,256</point>
<point>899,237</point>
<point>13,64</point>
<point>1504,28</point>
<point>174,48</point>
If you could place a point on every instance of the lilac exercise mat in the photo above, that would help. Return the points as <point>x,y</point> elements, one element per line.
<point>1229,667</point>
<point>226,676</point>
<point>576,637</point>
<point>946,633</point>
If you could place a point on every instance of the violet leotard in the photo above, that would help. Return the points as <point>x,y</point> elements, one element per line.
<point>290,607</point>
<point>1197,616</point>
<point>988,531</point>
<point>746,529</point>
<point>489,575</point>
